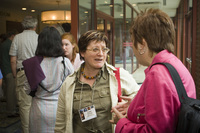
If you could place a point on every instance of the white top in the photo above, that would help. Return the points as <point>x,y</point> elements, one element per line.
<point>24,46</point>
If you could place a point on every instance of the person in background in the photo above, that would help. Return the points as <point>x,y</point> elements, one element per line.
<point>156,106</point>
<point>94,85</point>
<point>59,27</point>
<point>8,77</point>
<point>1,78</point>
<point>23,47</point>
<point>71,50</point>
<point>54,68</point>
<point>66,27</point>
<point>3,37</point>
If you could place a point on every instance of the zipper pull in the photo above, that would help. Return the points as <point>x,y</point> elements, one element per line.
<point>138,116</point>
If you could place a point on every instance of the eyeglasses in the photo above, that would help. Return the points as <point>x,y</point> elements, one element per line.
<point>97,50</point>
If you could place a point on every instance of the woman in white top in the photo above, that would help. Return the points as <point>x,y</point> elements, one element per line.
<point>71,50</point>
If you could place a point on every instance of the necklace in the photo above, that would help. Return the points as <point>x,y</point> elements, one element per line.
<point>87,77</point>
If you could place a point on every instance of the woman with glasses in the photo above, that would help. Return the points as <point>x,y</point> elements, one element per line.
<point>71,50</point>
<point>87,96</point>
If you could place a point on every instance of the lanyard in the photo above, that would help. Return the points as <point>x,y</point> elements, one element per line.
<point>82,93</point>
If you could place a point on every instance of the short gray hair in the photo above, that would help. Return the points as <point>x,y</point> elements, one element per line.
<point>29,22</point>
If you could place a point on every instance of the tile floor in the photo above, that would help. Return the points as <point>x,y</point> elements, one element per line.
<point>8,125</point>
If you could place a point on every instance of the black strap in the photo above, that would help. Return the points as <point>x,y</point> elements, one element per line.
<point>177,81</point>
<point>63,62</point>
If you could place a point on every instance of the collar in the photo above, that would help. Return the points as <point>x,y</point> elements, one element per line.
<point>102,72</point>
<point>162,56</point>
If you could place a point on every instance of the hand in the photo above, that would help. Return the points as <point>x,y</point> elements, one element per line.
<point>123,106</point>
<point>120,109</point>
<point>117,116</point>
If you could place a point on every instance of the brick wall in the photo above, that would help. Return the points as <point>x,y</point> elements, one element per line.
<point>197,74</point>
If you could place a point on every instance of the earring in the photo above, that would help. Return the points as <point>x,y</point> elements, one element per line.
<point>141,52</point>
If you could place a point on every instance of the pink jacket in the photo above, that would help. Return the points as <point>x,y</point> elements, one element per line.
<point>155,107</point>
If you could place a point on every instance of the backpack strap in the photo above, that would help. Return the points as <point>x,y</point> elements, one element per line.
<point>64,76</point>
<point>117,75</point>
<point>177,81</point>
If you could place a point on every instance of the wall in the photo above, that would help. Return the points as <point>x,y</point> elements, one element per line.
<point>179,22</point>
<point>17,16</point>
<point>197,74</point>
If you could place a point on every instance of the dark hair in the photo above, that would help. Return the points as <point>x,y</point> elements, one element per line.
<point>3,37</point>
<point>90,36</point>
<point>49,43</point>
<point>156,27</point>
<point>12,32</point>
<point>66,27</point>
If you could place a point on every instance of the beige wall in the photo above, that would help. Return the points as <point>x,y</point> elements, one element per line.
<point>17,16</point>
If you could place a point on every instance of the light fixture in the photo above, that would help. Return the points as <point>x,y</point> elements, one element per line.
<point>24,9</point>
<point>55,16</point>
<point>134,4</point>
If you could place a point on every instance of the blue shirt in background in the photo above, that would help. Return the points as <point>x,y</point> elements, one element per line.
<point>1,76</point>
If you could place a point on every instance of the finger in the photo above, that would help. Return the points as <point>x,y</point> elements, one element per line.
<point>126,98</point>
<point>123,112</point>
<point>111,121</point>
<point>119,106</point>
<point>117,113</point>
<point>122,102</point>
<point>119,109</point>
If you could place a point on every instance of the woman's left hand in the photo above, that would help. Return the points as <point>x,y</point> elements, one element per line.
<point>117,116</point>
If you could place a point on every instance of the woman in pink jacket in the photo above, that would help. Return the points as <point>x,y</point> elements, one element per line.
<point>155,107</point>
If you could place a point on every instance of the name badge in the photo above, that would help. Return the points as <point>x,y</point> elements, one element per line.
<point>87,113</point>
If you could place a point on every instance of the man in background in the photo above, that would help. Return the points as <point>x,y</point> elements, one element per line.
<point>10,92</point>
<point>23,47</point>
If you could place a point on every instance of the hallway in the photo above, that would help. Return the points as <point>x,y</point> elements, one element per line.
<point>12,125</point>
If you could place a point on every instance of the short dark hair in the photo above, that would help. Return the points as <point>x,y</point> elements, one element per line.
<point>66,27</point>
<point>156,27</point>
<point>90,36</point>
<point>11,32</point>
<point>49,43</point>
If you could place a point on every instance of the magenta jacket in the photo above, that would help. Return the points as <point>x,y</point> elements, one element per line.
<point>155,107</point>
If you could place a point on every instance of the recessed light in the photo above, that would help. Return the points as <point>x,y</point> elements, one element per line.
<point>24,9</point>
<point>32,10</point>
<point>134,5</point>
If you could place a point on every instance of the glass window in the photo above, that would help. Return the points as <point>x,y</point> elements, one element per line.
<point>84,16</point>
<point>118,36</point>
<point>104,6</point>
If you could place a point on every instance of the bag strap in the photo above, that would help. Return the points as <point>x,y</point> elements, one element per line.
<point>117,75</point>
<point>177,81</point>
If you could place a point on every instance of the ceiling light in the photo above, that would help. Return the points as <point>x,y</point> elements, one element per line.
<point>24,9</point>
<point>86,12</point>
<point>134,5</point>
<point>32,10</point>
<point>56,16</point>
